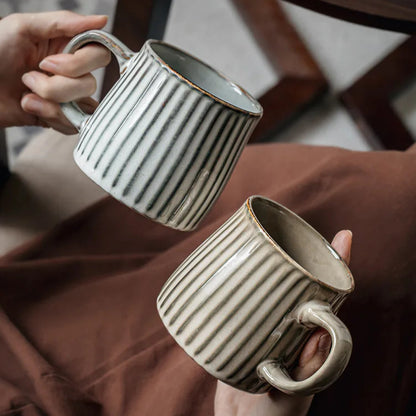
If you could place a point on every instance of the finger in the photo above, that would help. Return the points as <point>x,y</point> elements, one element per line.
<point>47,112</point>
<point>83,61</point>
<point>56,24</point>
<point>58,88</point>
<point>342,244</point>
<point>313,354</point>
<point>318,346</point>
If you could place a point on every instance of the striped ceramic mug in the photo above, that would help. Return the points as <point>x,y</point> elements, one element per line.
<point>167,136</point>
<point>243,304</point>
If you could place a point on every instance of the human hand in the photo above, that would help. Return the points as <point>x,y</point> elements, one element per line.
<point>30,85</point>
<point>232,402</point>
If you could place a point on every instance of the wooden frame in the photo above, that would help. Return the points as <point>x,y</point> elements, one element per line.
<point>301,83</point>
<point>395,15</point>
<point>134,23</point>
<point>369,98</point>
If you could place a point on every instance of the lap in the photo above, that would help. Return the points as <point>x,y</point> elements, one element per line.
<point>82,296</point>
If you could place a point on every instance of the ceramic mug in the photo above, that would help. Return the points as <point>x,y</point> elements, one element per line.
<point>167,136</point>
<point>243,304</point>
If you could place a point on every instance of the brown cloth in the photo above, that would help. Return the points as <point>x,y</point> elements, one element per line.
<point>79,330</point>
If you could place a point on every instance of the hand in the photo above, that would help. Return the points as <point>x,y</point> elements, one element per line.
<point>29,96</point>
<point>233,402</point>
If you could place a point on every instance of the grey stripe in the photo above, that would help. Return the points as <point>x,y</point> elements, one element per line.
<point>234,311</point>
<point>126,118</point>
<point>228,164</point>
<point>185,289</point>
<point>191,262</point>
<point>160,111</point>
<point>248,337</point>
<point>191,163</point>
<point>239,147</point>
<point>304,286</point>
<point>104,127</point>
<point>191,138</point>
<point>128,136</point>
<point>216,159</point>
<point>167,151</point>
<point>102,109</point>
<point>218,291</point>
<point>154,145</point>
<point>178,214</point>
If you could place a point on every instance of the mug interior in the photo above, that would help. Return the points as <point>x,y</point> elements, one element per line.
<point>205,78</point>
<point>302,243</point>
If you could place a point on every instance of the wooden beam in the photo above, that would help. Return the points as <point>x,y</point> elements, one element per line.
<point>301,80</point>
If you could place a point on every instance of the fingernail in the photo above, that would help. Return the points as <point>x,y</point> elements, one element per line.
<point>28,80</point>
<point>324,342</point>
<point>100,15</point>
<point>32,104</point>
<point>48,65</point>
<point>349,231</point>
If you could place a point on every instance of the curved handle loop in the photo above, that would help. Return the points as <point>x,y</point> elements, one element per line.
<point>122,53</point>
<point>313,313</point>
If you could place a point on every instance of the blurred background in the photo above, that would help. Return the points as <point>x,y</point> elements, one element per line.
<point>322,80</point>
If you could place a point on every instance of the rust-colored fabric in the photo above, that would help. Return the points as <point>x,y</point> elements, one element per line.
<point>79,330</point>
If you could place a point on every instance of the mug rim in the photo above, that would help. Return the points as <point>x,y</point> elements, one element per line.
<point>255,102</point>
<point>287,257</point>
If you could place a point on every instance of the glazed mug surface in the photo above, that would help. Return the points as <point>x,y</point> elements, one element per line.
<point>243,304</point>
<point>167,136</point>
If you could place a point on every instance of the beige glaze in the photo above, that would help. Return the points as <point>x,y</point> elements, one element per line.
<point>243,304</point>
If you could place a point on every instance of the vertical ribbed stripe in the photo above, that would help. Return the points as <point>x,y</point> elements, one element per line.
<point>162,146</point>
<point>101,119</point>
<point>226,303</point>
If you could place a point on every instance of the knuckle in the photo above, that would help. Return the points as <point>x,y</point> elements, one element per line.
<point>52,112</point>
<point>45,89</point>
<point>56,24</point>
<point>67,14</point>
<point>71,67</point>
<point>97,54</point>
<point>106,56</point>
<point>16,23</point>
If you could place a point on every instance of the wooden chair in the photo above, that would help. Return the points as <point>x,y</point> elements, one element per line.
<point>395,15</point>
<point>302,82</point>
<point>368,99</point>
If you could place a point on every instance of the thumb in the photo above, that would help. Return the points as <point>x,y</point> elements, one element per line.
<point>319,344</point>
<point>63,23</point>
<point>342,244</point>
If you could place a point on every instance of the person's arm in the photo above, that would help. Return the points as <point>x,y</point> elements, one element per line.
<point>35,76</point>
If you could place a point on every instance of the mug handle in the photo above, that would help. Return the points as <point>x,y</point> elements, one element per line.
<point>310,314</point>
<point>122,53</point>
